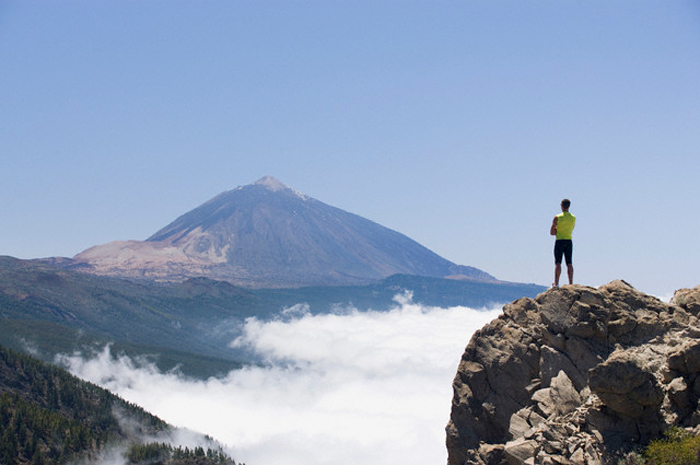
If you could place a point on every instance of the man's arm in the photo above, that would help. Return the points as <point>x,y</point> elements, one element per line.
<point>553,229</point>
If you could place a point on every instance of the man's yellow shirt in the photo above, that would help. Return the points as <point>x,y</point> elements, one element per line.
<point>565,225</point>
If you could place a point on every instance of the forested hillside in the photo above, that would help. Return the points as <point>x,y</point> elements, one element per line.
<point>50,417</point>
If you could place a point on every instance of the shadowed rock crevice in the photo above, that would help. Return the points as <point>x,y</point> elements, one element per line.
<point>577,375</point>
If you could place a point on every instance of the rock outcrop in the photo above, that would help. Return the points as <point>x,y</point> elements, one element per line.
<point>577,375</point>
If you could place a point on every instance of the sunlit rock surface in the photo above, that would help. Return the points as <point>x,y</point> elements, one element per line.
<point>577,375</point>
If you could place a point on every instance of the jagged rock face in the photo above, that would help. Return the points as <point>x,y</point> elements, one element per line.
<point>576,376</point>
<point>267,234</point>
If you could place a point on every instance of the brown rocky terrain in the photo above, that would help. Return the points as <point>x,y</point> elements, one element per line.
<point>577,375</point>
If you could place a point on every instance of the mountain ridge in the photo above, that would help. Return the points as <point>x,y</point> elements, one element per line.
<point>48,309</point>
<point>267,234</point>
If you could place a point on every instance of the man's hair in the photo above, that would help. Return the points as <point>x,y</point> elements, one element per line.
<point>566,203</point>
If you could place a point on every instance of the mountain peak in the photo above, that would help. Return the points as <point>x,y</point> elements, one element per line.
<point>270,235</point>
<point>271,183</point>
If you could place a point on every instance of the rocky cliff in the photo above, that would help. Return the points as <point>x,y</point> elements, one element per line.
<point>577,375</point>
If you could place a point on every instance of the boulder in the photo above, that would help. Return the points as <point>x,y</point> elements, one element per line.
<point>520,451</point>
<point>553,361</point>
<point>686,358</point>
<point>577,375</point>
<point>624,386</point>
<point>688,299</point>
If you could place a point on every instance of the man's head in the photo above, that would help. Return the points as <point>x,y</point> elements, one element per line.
<point>565,204</point>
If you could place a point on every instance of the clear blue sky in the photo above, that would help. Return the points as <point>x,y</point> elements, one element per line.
<point>461,124</point>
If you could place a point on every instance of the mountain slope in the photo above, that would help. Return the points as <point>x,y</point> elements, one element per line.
<point>51,417</point>
<point>268,235</point>
<point>51,310</point>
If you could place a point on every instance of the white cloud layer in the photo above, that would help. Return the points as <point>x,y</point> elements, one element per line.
<point>358,387</point>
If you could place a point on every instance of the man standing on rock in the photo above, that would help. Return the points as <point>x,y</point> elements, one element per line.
<point>562,228</point>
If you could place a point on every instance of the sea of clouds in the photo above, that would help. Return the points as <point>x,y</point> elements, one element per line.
<point>343,388</point>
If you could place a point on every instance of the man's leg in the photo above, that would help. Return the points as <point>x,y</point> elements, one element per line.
<point>568,257</point>
<point>557,273</point>
<point>558,256</point>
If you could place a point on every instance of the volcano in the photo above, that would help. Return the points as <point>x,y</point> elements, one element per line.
<point>269,235</point>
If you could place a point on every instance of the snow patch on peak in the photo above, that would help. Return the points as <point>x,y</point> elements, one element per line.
<point>271,183</point>
<point>275,185</point>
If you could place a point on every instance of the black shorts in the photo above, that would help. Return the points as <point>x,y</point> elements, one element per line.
<point>563,248</point>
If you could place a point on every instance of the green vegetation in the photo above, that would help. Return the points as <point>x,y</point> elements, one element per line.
<point>35,434</point>
<point>155,453</point>
<point>50,417</point>
<point>678,447</point>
